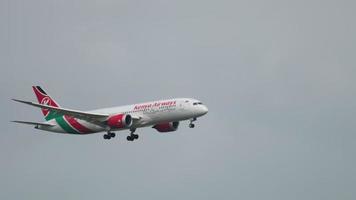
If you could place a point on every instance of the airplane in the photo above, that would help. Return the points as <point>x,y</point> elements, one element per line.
<point>162,115</point>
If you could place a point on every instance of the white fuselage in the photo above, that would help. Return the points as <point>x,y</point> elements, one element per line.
<point>149,114</point>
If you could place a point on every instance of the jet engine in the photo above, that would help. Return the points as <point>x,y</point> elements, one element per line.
<point>120,121</point>
<point>166,127</point>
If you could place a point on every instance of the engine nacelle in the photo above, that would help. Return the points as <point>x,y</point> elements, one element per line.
<point>166,127</point>
<point>120,121</point>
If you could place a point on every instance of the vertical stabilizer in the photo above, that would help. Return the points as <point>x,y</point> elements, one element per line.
<point>44,99</point>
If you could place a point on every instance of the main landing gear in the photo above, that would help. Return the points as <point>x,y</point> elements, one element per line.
<point>132,136</point>
<point>109,135</point>
<point>191,125</point>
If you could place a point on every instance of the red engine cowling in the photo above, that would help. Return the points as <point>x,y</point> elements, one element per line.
<point>166,127</point>
<point>120,121</point>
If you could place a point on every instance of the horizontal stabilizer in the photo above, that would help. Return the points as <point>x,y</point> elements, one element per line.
<point>33,123</point>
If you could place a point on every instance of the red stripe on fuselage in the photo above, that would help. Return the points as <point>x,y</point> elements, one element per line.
<point>75,124</point>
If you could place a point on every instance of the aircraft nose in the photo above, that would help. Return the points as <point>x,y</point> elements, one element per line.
<point>204,110</point>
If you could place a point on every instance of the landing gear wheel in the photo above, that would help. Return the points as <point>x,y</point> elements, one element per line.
<point>132,136</point>
<point>106,137</point>
<point>191,125</point>
<point>112,135</point>
<point>129,138</point>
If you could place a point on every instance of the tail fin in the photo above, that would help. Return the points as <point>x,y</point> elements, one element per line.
<point>43,98</point>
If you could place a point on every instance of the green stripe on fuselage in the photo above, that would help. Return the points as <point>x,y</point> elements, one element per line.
<point>65,126</point>
<point>52,115</point>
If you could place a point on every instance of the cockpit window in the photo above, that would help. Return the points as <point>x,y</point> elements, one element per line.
<point>197,103</point>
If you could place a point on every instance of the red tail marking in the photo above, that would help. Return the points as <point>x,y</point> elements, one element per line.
<point>44,99</point>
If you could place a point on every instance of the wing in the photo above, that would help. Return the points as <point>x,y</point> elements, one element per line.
<point>91,117</point>
<point>33,123</point>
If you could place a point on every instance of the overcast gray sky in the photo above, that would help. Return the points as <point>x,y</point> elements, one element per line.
<point>278,77</point>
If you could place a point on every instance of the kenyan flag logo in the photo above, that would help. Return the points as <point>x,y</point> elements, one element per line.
<point>46,101</point>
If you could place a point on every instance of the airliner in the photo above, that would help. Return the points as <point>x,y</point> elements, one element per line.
<point>162,115</point>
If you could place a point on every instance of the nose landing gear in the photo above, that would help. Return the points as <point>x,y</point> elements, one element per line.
<point>132,136</point>
<point>191,125</point>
